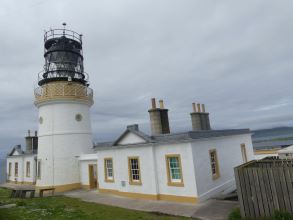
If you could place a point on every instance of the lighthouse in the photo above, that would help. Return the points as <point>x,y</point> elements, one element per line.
<point>63,99</point>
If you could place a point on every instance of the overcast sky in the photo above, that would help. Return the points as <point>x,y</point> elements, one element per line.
<point>233,56</point>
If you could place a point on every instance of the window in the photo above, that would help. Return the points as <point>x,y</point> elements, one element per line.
<point>214,164</point>
<point>78,117</point>
<point>174,170</point>
<point>243,152</point>
<point>15,169</point>
<point>134,171</point>
<point>39,169</point>
<point>109,175</point>
<point>9,169</point>
<point>28,169</point>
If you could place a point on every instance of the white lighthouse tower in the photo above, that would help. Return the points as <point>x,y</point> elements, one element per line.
<point>63,99</point>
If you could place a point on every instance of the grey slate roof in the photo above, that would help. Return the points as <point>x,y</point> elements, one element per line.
<point>175,137</point>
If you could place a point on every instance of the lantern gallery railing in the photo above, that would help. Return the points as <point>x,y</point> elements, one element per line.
<point>55,33</point>
<point>63,90</point>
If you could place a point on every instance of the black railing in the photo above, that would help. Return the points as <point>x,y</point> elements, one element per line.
<point>55,33</point>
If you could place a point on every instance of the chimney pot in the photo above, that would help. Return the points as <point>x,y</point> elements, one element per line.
<point>194,107</point>
<point>36,133</point>
<point>203,108</point>
<point>153,103</point>
<point>198,107</point>
<point>28,133</point>
<point>161,102</point>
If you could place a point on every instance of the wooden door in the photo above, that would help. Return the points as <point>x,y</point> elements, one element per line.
<point>93,177</point>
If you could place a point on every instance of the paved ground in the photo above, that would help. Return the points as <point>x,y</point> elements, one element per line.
<point>210,210</point>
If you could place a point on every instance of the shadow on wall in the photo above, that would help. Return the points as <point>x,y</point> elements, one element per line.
<point>2,170</point>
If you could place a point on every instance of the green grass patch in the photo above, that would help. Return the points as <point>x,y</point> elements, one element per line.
<point>278,215</point>
<point>61,207</point>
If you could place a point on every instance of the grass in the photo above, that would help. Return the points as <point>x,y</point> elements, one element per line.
<point>278,215</point>
<point>61,207</point>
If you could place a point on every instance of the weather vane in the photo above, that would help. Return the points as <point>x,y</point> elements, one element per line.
<point>64,25</point>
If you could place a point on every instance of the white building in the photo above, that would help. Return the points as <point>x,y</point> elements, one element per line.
<point>286,153</point>
<point>185,167</point>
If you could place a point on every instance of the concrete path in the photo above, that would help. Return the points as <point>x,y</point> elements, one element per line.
<point>209,210</point>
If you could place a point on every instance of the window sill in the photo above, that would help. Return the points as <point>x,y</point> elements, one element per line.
<point>176,184</point>
<point>216,177</point>
<point>135,183</point>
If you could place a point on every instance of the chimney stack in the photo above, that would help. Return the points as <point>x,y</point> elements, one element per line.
<point>159,118</point>
<point>200,118</point>
<point>31,142</point>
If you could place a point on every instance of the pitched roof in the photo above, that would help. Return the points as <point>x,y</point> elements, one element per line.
<point>173,137</point>
<point>16,148</point>
<point>136,132</point>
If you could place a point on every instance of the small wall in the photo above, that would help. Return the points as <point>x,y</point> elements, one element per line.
<point>12,177</point>
<point>22,177</point>
<point>229,155</point>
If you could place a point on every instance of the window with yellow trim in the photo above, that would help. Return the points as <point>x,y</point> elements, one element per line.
<point>214,164</point>
<point>9,169</point>
<point>39,169</point>
<point>109,175</point>
<point>134,171</point>
<point>174,170</point>
<point>16,169</point>
<point>243,152</point>
<point>28,169</point>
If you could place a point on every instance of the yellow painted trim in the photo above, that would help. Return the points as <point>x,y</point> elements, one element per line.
<point>170,183</point>
<point>273,151</point>
<point>183,199</point>
<point>131,181</point>
<point>21,183</point>
<point>9,168</point>
<point>173,198</point>
<point>86,187</point>
<point>105,170</point>
<point>28,168</point>
<point>39,169</point>
<point>16,170</point>
<point>62,188</point>
<point>244,153</point>
<point>217,174</point>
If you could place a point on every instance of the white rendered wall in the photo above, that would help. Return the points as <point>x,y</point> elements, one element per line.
<point>13,160</point>
<point>229,156</point>
<point>184,150</point>
<point>22,168</point>
<point>153,169</point>
<point>84,171</point>
<point>32,177</point>
<point>120,167</point>
<point>61,140</point>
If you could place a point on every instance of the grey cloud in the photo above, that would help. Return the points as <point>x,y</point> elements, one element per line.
<point>234,56</point>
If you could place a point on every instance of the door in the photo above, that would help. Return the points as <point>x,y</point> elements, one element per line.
<point>93,179</point>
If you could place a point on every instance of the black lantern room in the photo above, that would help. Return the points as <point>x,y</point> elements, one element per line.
<point>63,57</point>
